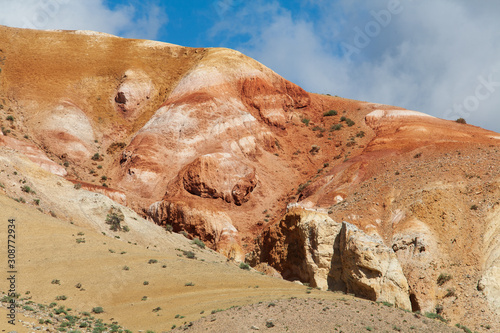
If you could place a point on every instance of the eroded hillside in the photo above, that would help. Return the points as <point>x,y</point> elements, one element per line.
<point>345,195</point>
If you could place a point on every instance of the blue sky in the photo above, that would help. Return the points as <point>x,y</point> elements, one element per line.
<point>440,57</point>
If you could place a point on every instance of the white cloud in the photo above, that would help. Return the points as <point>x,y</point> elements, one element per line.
<point>136,20</point>
<point>432,56</point>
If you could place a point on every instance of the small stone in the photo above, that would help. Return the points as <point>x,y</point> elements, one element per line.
<point>254,328</point>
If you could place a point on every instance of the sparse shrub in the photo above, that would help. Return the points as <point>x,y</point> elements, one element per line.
<point>432,315</point>
<point>80,240</point>
<point>104,178</point>
<point>126,228</point>
<point>99,167</point>
<point>474,207</point>
<point>303,186</point>
<point>55,281</point>
<point>306,121</point>
<point>115,146</point>
<point>77,186</point>
<point>461,121</point>
<point>189,284</point>
<point>189,254</point>
<point>350,122</point>
<point>199,243</point>
<point>98,310</point>
<point>168,227</point>
<point>318,128</point>
<point>360,134</point>
<point>152,261</point>
<point>36,201</point>
<point>96,157</point>
<point>417,155</point>
<point>61,298</point>
<point>126,268</point>
<point>336,127</point>
<point>269,324</point>
<point>145,283</point>
<point>26,189</point>
<point>343,118</point>
<point>330,113</point>
<point>244,265</point>
<point>66,164</point>
<point>10,118</point>
<point>450,292</point>
<point>443,278</point>
<point>114,218</point>
<point>156,309</point>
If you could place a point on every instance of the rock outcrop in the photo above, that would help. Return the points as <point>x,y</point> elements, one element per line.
<point>219,176</point>
<point>215,228</point>
<point>309,246</point>
<point>370,269</point>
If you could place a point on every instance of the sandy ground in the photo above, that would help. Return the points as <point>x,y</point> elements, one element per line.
<point>47,250</point>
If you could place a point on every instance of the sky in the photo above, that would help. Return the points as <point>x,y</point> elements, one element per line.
<point>440,57</point>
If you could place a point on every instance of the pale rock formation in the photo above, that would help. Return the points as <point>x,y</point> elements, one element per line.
<point>489,283</point>
<point>370,269</point>
<point>67,130</point>
<point>309,246</point>
<point>34,154</point>
<point>133,93</point>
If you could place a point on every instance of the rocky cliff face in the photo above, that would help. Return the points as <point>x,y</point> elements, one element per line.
<point>310,247</point>
<point>217,145</point>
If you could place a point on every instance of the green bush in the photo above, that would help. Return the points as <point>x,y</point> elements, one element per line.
<point>244,265</point>
<point>360,134</point>
<point>330,113</point>
<point>199,243</point>
<point>432,315</point>
<point>10,118</point>
<point>189,254</point>
<point>443,278</point>
<point>98,309</point>
<point>26,189</point>
<point>336,127</point>
<point>96,157</point>
<point>114,220</point>
<point>461,121</point>
<point>306,121</point>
